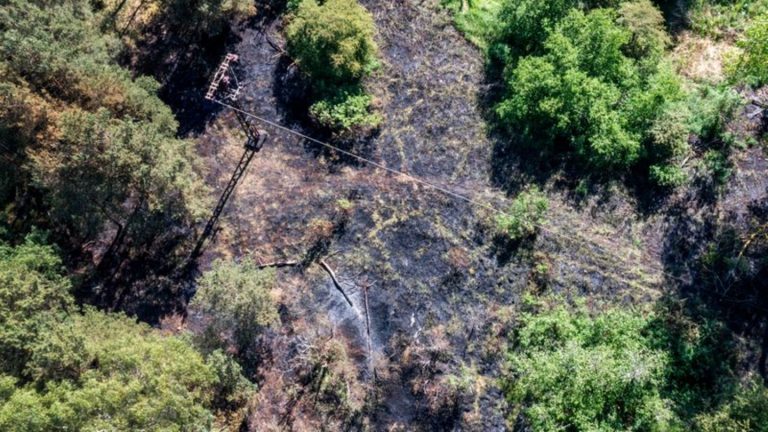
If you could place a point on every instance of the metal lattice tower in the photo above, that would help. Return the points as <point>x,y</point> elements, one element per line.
<point>225,84</point>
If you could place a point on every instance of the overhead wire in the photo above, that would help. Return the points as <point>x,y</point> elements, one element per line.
<point>364,159</point>
<point>427,183</point>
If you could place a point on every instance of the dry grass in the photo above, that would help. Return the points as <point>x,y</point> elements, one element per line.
<point>702,59</point>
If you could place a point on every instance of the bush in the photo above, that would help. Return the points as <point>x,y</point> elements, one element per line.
<point>711,109</point>
<point>345,110</point>
<point>667,175</point>
<point>525,215</point>
<point>237,296</point>
<point>332,42</point>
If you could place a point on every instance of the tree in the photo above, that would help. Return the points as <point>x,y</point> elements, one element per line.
<point>32,287</point>
<point>645,23</point>
<point>124,376</point>
<point>237,297</point>
<point>101,144</point>
<point>570,371</point>
<point>332,42</point>
<point>525,23</point>
<point>585,93</point>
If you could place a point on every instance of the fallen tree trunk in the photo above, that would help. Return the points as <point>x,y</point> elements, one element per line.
<point>277,264</point>
<point>335,281</point>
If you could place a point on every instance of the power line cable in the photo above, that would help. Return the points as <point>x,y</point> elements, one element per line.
<point>366,160</point>
<point>422,181</point>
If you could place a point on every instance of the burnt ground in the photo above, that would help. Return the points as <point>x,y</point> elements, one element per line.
<point>442,288</point>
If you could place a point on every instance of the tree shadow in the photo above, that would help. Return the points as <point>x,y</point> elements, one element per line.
<point>292,92</point>
<point>720,265</point>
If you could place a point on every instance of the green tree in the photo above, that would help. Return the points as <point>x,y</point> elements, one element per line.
<point>572,371</point>
<point>32,287</point>
<point>237,297</point>
<point>332,43</point>
<point>645,23</point>
<point>123,376</point>
<point>524,23</point>
<point>584,92</point>
<point>101,144</point>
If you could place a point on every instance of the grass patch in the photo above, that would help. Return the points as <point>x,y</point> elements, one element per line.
<point>476,19</point>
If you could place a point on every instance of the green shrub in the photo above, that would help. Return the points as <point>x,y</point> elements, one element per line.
<point>747,411</point>
<point>345,110</point>
<point>524,216</point>
<point>752,65</point>
<point>478,21</point>
<point>712,108</point>
<point>667,175</point>
<point>32,286</point>
<point>718,167</point>
<point>332,41</point>
<point>237,296</point>
<point>646,24</point>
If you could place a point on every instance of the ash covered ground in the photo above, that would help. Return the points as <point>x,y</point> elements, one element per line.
<point>433,289</point>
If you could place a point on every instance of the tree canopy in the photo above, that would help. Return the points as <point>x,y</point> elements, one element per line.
<point>32,286</point>
<point>596,86</point>
<point>108,372</point>
<point>332,43</point>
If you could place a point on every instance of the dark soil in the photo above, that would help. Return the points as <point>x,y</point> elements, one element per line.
<point>440,286</point>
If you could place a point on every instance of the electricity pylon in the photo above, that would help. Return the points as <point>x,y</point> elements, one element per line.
<point>225,81</point>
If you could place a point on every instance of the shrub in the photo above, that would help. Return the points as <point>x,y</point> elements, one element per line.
<point>748,411</point>
<point>524,23</point>
<point>332,42</point>
<point>711,109</point>
<point>667,175</point>
<point>525,215</point>
<point>345,110</point>
<point>646,24</point>
<point>237,295</point>
<point>753,65</point>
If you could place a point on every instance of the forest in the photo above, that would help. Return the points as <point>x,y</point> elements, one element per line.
<point>467,215</point>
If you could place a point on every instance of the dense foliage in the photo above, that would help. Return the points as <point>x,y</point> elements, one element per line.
<point>574,372</point>
<point>62,369</point>
<point>624,369</point>
<point>90,153</point>
<point>595,86</point>
<point>108,372</point>
<point>32,286</point>
<point>100,144</point>
<point>332,42</point>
